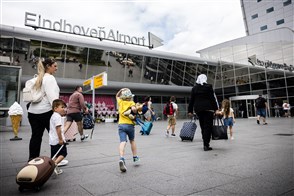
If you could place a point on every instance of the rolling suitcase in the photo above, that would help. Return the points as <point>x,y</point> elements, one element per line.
<point>70,134</point>
<point>36,172</point>
<point>188,130</point>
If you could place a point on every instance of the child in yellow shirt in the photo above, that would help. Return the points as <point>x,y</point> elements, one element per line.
<point>126,126</point>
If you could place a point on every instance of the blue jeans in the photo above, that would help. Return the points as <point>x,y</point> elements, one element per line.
<point>125,130</point>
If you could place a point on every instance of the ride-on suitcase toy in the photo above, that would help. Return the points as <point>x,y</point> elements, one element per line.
<point>36,172</point>
<point>145,126</point>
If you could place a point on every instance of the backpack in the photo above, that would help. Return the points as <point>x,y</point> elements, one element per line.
<point>30,94</point>
<point>88,122</point>
<point>168,109</point>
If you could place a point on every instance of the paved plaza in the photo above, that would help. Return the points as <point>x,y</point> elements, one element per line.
<point>258,162</point>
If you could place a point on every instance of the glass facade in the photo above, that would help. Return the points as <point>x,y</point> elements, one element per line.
<point>270,72</point>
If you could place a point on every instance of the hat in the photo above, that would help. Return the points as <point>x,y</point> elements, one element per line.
<point>126,94</point>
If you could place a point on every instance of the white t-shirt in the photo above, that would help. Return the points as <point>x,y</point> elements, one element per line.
<point>56,120</point>
<point>51,90</point>
<point>175,108</point>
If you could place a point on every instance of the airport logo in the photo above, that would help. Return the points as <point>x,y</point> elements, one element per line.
<point>268,64</point>
<point>38,22</point>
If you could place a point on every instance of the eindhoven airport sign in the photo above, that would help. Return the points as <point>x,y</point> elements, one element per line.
<point>38,22</point>
<point>268,64</point>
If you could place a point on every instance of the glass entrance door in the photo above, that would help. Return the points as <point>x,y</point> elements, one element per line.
<point>251,108</point>
<point>243,106</point>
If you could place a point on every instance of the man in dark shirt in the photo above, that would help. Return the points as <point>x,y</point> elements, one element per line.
<point>261,105</point>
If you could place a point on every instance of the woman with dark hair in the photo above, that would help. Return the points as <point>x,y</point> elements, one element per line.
<point>39,114</point>
<point>204,103</point>
<point>147,109</point>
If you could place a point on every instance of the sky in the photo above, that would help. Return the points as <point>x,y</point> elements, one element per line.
<point>185,26</point>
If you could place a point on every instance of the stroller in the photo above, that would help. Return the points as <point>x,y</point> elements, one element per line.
<point>89,123</point>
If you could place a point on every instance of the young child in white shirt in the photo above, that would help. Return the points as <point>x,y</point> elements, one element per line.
<point>56,133</point>
<point>229,117</point>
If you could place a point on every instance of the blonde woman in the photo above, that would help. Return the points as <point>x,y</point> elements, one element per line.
<point>39,114</point>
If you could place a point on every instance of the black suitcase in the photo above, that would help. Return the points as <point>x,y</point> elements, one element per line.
<point>36,173</point>
<point>188,130</point>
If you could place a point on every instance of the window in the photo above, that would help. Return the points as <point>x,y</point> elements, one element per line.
<point>254,16</point>
<point>288,2</point>
<point>263,28</point>
<point>280,22</point>
<point>269,10</point>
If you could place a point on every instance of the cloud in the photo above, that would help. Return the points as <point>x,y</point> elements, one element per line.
<point>185,26</point>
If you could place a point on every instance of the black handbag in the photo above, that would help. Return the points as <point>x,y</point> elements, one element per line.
<point>219,131</point>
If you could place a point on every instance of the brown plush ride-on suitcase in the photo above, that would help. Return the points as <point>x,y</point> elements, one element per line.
<point>36,172</point>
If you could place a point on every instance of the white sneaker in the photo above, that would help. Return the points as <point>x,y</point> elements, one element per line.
<point>232,138</point>
<point>166,134</point>
<point>63,163</point>
<point>122,166</point>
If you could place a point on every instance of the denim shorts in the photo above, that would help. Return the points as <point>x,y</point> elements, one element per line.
<point>228,121</point>
<point>125,130</point>
<point>261,112</point>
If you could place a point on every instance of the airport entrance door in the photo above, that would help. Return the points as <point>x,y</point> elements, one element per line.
<point>244,106</point>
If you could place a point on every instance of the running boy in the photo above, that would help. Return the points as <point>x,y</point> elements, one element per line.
<point>56,133</point>
<point>126,126</point>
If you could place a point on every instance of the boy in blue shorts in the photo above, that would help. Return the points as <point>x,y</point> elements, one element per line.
<point>56,133</point>
<point>126,126</point>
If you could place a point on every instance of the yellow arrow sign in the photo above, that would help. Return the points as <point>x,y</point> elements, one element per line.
<point>100,80</point>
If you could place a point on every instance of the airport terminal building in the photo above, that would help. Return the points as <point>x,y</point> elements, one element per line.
<point>239,70</point>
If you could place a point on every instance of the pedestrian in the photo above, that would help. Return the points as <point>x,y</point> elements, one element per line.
<point>277,110</point>
<point>171,116</point>
<point>228,115</point>
<point>147,109</point>
<point>126,127</point>
<point>76,106</point>
<point>130,72</point>
<point>80,66</point>
<point>286,108</point>
<point>39,114</point>
<point>261,105</point>
<point>204,103</point>
<point>56,133</point>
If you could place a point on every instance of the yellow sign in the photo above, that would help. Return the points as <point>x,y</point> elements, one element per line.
<point>87,82</point>
<point>87,85</point>
<point>100,80</point>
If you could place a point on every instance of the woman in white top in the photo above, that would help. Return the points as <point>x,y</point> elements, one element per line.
<point>39,114</point>
<point>229,117</point>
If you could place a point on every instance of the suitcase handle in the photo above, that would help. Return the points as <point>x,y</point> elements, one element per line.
<point>194,117</point>
<point>57,152</point>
